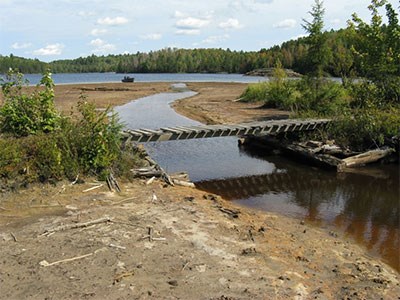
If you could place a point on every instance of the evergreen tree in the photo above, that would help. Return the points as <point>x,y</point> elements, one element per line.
<point>318,54</point>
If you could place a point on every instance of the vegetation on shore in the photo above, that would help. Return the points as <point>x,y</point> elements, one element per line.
<point>366,111</point>
<point>39,144</point>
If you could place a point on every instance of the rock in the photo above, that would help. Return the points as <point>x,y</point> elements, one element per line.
<point>173,282</point>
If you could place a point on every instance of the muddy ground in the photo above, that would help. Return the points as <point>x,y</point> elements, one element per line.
<point>154,241</point>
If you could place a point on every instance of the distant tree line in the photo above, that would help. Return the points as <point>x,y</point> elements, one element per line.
<point>24,65</point>
<point>341,60</point>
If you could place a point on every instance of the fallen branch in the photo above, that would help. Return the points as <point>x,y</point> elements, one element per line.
<point>14,237</point>
<point>77,225</point>
<point>116,246</point>
<point>45,263</point>
<point>123,200</point>
<point>92,188</point>
<point>183,183</point>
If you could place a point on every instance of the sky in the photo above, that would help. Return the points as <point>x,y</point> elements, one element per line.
<point>65,29</point>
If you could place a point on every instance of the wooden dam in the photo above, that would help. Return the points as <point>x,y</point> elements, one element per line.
<point>211,131</point>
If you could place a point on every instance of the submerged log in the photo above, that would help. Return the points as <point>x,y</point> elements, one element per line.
<point>364,158</point>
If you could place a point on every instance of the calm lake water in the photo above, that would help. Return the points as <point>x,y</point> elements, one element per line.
<point>65,78</point>
<point>363,207</point>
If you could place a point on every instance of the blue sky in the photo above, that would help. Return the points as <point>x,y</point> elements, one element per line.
<point>59,29</point>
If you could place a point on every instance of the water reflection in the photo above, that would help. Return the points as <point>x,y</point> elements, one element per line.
<point>365,207</point>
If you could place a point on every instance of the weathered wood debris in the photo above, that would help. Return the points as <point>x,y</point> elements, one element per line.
<point>326,155</point>
<point>154,170</point>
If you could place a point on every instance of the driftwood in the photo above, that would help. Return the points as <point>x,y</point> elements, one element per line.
<point>92,188</point>
<point>14,237</point>
<point>153,171</point>
<point>123,200</point>
<point>183,183</point>
<point>323,160</point>
<point>320,154</point>
<point>45,263</point>
<point>365,158</point>
<point>77,225</point>
<point>112,183</point>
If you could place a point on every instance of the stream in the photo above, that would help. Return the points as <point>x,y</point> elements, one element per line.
<point>362,207</point>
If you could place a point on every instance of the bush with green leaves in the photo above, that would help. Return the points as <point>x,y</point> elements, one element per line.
<point>94,141</point>
<point>87,144</point>
<point>300,96</point>
<point>366,128</point>
<point>24,114</point>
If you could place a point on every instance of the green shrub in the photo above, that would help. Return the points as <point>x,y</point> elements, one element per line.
<point>12,158</point>
<point>21,114</point>
<point>303,97</point>
<point>57,147</point>
<point>366,127</point>
<point>44,157</point>
<point>96,138</point>
<point>255,92</point>
<point>321,97</point>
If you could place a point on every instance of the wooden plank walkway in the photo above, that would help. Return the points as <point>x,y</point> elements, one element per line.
<point>143,135</point>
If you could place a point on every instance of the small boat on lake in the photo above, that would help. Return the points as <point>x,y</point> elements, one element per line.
<point>128,79</point>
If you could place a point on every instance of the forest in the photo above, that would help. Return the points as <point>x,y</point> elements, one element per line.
<point>291,54</point>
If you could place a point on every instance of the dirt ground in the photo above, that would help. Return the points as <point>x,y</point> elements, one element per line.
<point>153,241</point>
<point>216,103</point>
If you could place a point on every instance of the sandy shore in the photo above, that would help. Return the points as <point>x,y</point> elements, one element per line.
<point>159,242</point>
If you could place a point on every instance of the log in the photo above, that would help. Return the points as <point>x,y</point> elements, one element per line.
<point>323,160</point>
<point>183,183</point>
<point>365,158</point>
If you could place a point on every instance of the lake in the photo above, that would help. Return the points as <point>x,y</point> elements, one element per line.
<point>65,78</point>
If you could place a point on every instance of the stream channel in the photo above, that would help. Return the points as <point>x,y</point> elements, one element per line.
<point>362,207</point>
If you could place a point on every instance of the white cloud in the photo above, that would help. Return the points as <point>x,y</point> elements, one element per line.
<point>188,32</point>
<point>191,23</point>
<point>216,39</point>
<point>230,24</point>
<point>112,21</point>
<point>21,45</point>
<point>52,49</point>
<point>102,46</point>
<point>336,21</point>
<point>287,23</point>
<point>151,36</point>
<point>97,32</point>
